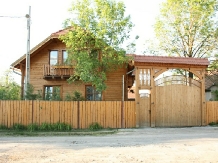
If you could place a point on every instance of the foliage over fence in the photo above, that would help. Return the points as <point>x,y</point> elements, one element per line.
<point>78,114</point>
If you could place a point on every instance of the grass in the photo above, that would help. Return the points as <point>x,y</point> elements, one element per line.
<point>56,129</point>
<point>215,124</point>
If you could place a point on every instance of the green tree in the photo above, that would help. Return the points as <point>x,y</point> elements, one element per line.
<point>187,28</point>
<point>30,95</point>
<point>95,39</point>
<point>9,89</point>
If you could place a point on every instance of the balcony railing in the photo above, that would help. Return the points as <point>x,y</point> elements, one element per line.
<point>60,71</point>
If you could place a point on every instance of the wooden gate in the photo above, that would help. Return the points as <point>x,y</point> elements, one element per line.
<point>144,98</point>
<point>171,102</point>
<point>145,111</point>
<point>178,105</point>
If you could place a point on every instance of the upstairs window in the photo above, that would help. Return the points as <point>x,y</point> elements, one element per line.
<point>52,93</point>
<point>92,94</point>
<point>53,57</point>
<point>64,57</point>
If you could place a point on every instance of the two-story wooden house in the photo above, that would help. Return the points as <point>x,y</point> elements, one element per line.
<point>49,74</point>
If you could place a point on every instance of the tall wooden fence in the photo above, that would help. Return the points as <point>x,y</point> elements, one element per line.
<point>212,111</point>
<point>78,114</point>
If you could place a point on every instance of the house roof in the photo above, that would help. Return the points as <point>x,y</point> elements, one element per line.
<point>211,79</point>
<point>137,58</point>
<point>54,35</point>
<point>171,60</point>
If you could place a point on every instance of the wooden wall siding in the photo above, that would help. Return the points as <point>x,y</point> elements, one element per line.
<point>77,114</point>
<point>115,85</point>
<point>212,111</point>
<point>41,58</point>
<point>178,105</point>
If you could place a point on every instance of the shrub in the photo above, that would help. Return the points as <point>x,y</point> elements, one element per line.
<point>212,123</point>
<point>61,127</point>
<point>32,127</point>
<point>95,126</point>
<point>45,127</point>
<point>18,127</point>
<point>77,96</point>
<point>3,127</point>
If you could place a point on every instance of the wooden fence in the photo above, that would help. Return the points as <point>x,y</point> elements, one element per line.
<point>78,114</point>
<point>212,111</point>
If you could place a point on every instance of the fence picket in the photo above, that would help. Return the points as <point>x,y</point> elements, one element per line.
<point>106,113</point>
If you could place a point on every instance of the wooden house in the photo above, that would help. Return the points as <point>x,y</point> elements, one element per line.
<point>162,102</point>
<point>49,74</point>
<point>211,85</point>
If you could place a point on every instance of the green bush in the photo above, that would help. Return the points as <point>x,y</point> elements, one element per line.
<point>95,126</point>
<point>3,127</point>
<point>43,127</point>
<point>76,96</point>
<point>61,127</point>
<point>32,127</point>
<point>18,127</point>
<point>213,123</point>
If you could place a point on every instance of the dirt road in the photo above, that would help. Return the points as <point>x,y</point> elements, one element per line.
<point>194,144</point>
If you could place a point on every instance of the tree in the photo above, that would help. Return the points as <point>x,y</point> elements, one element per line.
<point>30,95</point>
<point>9,89</point>
<point>96,34</point>
<point>187,28</point>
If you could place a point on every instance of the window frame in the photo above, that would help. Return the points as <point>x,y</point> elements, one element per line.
<point>50,56</point>
<point>44,92</point>
<point>64,61</point>
<point>93,94</point>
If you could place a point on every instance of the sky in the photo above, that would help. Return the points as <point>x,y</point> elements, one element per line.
<point>47,16</point>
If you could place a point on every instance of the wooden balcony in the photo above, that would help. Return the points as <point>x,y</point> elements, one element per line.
<point>55,72</point>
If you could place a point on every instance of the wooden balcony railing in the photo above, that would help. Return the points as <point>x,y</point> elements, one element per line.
<point>60,71</point>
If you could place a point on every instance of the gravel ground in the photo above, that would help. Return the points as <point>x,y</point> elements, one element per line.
<point>193,144</point>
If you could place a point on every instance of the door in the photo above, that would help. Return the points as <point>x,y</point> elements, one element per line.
<point>144,108</point>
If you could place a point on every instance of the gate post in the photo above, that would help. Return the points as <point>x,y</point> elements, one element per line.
<point>203,103</point>
<point>137,96</point>
<point>153,97</point>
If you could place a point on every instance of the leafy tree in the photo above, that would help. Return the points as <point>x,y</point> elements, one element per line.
<point>215,93</point>
<point>187,28</point>
<point>97,32</point>
<point>30,95</point>
<point>77,96</point>
<point>9,89</point>
<point>213,64</point>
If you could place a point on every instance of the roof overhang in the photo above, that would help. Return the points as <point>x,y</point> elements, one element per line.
<point>45,42</point>
<point>172,62</point>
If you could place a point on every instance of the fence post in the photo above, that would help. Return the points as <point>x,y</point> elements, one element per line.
<point>78,115</point>
<point>32,110</point>
<point>122,115</point>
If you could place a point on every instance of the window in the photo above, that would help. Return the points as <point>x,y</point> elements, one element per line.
<point>53,57</point>
<point>52,93</point>
<point>64,57</point>
<point>92,94</point>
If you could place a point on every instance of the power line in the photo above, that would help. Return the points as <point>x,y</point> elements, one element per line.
<point>2,16</point>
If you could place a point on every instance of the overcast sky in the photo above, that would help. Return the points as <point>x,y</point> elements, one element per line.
<point>47,17</point>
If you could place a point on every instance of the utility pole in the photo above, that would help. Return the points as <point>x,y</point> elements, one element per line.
<point>27,79</point>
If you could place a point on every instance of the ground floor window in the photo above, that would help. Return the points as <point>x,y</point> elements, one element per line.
<point>92,94</point>
<point>52,93</point>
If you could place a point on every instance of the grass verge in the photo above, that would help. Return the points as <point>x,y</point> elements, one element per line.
<point>56,133</point>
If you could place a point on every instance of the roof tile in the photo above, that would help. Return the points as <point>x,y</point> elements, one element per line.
<point>171,60</point>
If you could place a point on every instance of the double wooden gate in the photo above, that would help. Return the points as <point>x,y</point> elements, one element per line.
<point>176,99</point>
